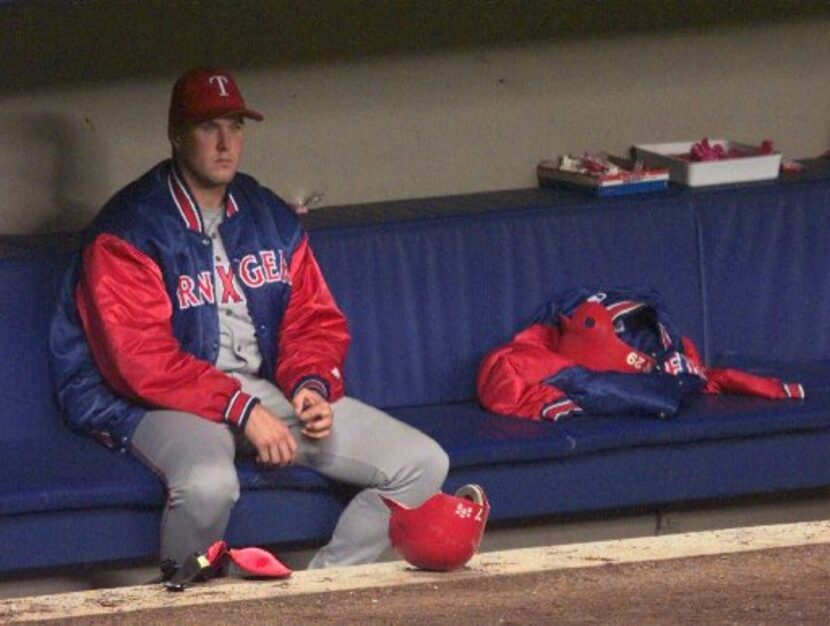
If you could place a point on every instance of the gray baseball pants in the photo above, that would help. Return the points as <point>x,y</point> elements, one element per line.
<point>367,448</point>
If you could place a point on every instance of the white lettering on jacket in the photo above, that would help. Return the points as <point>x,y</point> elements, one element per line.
<point>254,270</point>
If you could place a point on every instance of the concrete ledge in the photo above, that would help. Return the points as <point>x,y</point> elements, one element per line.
<point>127,599</point>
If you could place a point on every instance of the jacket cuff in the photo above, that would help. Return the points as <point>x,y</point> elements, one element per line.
<point>793,390</point>
<point>555,410</point>
<point>315,383</point>
<point>239,409</point>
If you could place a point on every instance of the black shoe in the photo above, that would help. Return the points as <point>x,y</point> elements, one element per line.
<point>196,568</point>
<point>168,569</point>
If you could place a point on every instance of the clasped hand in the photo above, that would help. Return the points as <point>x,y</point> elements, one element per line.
<point>274,443</point>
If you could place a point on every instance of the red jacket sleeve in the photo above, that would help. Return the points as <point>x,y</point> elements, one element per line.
<point>727,380</point>
<point>510,378</point>
<point>126,314</point>
<point>314,335</point>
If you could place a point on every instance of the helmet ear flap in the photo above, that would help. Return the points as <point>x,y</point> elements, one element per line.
<point>473,493</point>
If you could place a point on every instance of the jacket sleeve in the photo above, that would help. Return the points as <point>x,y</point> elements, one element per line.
<point>314,335</point>
<point>127,317</point>
<point>510,379</point>
<point>728,380</point>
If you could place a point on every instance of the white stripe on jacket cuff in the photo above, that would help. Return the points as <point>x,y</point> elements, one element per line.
<point>239,409</point>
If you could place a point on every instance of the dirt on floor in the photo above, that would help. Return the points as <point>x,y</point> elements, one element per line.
<point>781,586</point>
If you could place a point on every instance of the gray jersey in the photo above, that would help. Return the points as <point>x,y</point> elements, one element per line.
<point>238,349</point>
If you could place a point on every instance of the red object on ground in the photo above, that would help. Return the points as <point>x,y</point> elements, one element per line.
<point>443,533</point>
<point>259,562</point>
<point>254,561</point>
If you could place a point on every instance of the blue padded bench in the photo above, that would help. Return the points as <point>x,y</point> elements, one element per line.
<point>429,287</point>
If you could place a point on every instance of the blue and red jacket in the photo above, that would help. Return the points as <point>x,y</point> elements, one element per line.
<point>611,352</point>
<point>137,324</point>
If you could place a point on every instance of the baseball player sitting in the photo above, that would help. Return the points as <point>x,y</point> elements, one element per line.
<point>195,325</point>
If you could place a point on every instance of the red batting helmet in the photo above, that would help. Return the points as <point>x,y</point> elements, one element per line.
<point>444,532</point>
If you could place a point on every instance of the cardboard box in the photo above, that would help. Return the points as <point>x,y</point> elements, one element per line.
<point>623,183</point>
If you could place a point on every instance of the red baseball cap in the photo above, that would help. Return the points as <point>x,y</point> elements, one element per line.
<point>205,93</point>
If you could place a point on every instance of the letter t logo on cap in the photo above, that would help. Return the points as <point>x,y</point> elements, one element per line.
<point>221,81</point>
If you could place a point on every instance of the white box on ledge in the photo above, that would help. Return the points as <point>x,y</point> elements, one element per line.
<point>753,166</point>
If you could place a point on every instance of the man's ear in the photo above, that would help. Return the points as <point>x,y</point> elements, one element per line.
<point>176,136</point>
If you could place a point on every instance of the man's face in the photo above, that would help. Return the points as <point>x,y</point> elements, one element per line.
<point>209,153</point>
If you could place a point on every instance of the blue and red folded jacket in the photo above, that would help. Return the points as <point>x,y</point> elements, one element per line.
<point>611,352</point>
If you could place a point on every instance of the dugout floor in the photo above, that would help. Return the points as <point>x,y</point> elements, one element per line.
<point>754,511</point>
<point>764,574</point>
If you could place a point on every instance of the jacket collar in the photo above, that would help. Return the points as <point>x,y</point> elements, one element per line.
<point>188,209</point>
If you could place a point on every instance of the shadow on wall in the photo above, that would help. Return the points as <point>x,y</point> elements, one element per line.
<point>51,164</point>
<point>47,43</point>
